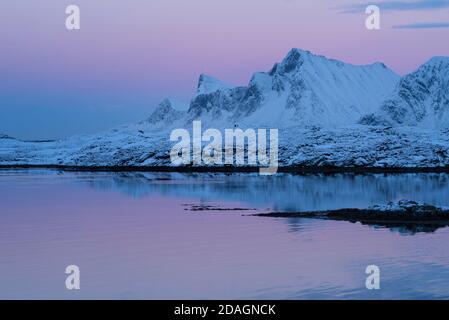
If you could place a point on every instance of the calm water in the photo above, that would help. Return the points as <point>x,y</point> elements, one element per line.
<point>134,235</point>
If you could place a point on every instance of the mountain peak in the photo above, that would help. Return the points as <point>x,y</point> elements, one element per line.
<point>298,52</point>
<point>168,111</point>
<point>208,84</point>
<point>380,64</point>
<point>294,58</point>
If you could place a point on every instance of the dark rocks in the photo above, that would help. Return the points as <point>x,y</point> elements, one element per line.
<point>408,215</point>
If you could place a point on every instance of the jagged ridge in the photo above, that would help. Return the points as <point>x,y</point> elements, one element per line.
<point>420,99</point>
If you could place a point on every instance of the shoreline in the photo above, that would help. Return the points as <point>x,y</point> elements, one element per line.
<point>230,169</point>
<point>408,215</point>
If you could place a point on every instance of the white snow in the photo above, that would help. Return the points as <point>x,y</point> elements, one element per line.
<point>303,89</point>
<point>421,99</point>
<point>404,206</point>
<point>316,104</point>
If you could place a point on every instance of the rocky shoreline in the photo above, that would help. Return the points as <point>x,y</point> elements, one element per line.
<point>409,215</point>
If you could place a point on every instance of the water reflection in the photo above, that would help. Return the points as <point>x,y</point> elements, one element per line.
<point>287,192</point>
<point>407,228</point>
<point>132,238</point>
<point>282,192</point>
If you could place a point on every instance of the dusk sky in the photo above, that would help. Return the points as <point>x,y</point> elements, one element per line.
<point>129,55</point>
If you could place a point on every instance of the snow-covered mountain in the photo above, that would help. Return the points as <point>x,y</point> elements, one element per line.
<point>421,99</point>
<point>328,113</point>
<point>303,89</point>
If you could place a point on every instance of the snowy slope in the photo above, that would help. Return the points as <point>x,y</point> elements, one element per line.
<point>316,104</point>
<point>421,99</point>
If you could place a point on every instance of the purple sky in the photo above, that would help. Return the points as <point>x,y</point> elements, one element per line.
<point>128,55</point>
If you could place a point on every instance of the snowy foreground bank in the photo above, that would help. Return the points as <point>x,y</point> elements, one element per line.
<point>352,146</point>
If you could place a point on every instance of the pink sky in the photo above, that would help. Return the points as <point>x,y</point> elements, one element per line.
<point>129,55</point>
